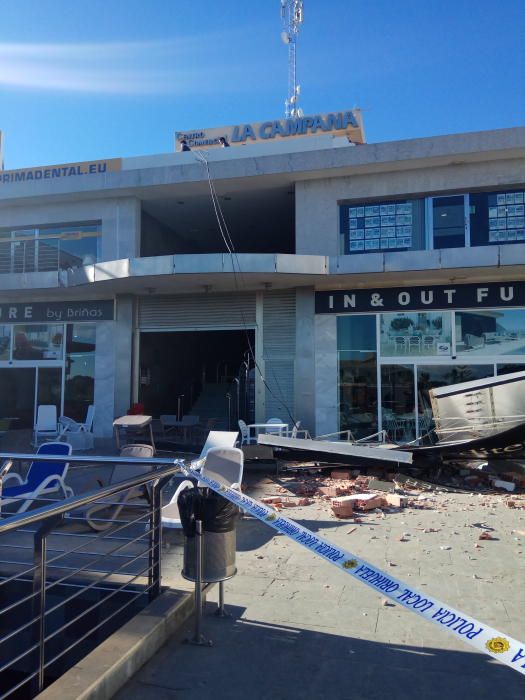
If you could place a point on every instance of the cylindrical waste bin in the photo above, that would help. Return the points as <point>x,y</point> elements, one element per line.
<point>219,518</point>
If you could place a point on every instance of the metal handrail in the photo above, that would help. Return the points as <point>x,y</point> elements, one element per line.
<point>133,569</point>
<point>73,502</point>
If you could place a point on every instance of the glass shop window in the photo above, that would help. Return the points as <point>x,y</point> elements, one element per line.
<point>5,342</point>
<point>416,334</point>
<point>38,342</point>
<point>79,388</point>
<point>490,332</point>
<point>383,226</point>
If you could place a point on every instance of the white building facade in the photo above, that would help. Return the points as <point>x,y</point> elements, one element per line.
<point>361,277</point>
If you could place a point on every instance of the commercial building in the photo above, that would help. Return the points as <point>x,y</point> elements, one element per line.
<point>362,275</point>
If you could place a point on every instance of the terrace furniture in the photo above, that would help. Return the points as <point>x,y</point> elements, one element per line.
<point>79,434</point>
<point>187,423</point>
<point>46,426</point>
<point>224,464</point>
<point>271,427</point>
<point>414,343</point>
<point>294,432</point>
<point>133,423</point>
<point>102,515</point>
<point>42,478</point>
<point>429,342</point>
<point>218,438</point>
<point>246,437</point>
<point>400,343</point>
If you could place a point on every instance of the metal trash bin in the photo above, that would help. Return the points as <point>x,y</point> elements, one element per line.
<point>219,520</point>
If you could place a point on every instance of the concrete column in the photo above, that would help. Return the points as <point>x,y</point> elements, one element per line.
<point>121,229</point>
<point>260,389</point>
<point>104,379</point>
<point>326,375</point>
<point>316,218</point>
<point>304,379</point>
<point>123,344</point>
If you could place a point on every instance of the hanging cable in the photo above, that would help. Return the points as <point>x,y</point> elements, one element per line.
<point>230,247</point>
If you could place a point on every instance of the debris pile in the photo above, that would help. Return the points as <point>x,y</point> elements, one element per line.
<point>351,494</point>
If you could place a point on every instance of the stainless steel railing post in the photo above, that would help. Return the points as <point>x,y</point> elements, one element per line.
<point>198,637</point>
<point>39,591</point>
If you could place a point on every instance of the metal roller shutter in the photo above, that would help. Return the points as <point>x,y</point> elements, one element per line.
<point>279,353</point>
<point>186,312</point>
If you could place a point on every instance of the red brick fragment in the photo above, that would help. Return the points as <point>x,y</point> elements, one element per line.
<point>341,474</point>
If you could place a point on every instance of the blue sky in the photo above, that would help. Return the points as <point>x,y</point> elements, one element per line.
<point>88,79</point>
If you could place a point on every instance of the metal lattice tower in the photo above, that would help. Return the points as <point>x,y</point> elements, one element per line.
<point>292,16</point>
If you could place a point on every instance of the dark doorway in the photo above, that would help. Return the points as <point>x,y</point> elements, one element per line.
<point>200,367</point>
<point>17,397</point>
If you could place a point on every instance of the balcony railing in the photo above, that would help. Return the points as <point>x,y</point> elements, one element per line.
<point>43,251</point>
<point>65,587</point>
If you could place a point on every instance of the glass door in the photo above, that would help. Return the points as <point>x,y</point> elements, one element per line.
<point>49,387</point>
<point>17,398</point>
<point>356,342</point>
<point>449,222</point>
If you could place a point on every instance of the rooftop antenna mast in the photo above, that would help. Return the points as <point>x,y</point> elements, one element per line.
<point>292,17</point>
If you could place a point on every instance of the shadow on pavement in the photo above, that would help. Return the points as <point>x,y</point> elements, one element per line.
<point>250,658</point>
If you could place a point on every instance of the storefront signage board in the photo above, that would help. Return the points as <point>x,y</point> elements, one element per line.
<point>53,312</point>
<point>52,172</point>
<point>346,123</point>
<point>450,296</point>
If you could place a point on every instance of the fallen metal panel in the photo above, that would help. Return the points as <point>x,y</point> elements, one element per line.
<point>347,449</point>
<point>479,408</point>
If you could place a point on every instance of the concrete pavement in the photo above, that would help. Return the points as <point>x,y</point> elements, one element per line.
<point>302,629</point>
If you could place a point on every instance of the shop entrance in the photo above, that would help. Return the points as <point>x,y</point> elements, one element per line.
<point>193,371</point>
<point>25,388</point>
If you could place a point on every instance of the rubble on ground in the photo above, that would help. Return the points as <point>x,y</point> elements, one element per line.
<point>350,494</point>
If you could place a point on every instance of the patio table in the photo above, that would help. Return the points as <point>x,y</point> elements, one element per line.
<point>133,423</point>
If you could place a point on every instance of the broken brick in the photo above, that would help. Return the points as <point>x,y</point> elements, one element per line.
<point>343,507</point>
<point>486,536</point>
<point>396,500</point>
<point>341,474</point>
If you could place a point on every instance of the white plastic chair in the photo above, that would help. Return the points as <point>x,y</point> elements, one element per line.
<point>46,426</point>
<point>121,472</point>
<point>42,477</point>
<point>170,513</point>
<point>246,438</point>
<point>224,464</point>
<point>72,426</point>
<point>295,431</point>
<point>218,438</point>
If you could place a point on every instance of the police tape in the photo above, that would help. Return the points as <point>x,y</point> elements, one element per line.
<point>486,639</point>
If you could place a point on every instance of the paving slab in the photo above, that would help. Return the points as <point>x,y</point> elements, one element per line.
<point>302,629</point>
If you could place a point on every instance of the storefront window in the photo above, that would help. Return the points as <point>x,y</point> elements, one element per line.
<point>5,341</point>
<point>38,342</point>
<point>382,226</point>
<point>398,402</point>
<point>356,340</point>
<point>490,332</point>
<point>79,391</point>
<point>416,334</point>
